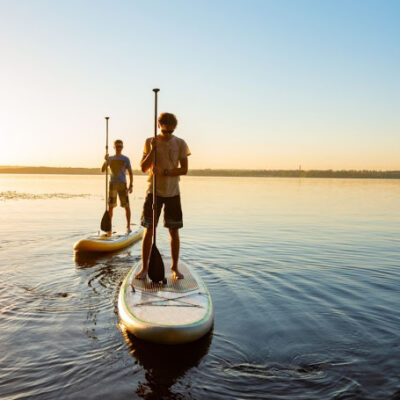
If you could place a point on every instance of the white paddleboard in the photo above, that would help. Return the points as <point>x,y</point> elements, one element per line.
<point>103,243</point>
<point>180,311</point>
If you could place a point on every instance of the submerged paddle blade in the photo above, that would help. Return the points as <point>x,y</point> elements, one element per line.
<point>156,265</point>
<point>106,222</point>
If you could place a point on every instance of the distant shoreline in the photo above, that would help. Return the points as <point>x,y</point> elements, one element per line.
<point>287,173</point>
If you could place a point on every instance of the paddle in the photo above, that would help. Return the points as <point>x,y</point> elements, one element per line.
<point>105,224</point>
<point>156,264</point>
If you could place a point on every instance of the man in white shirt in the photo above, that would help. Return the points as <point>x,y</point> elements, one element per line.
<point>172,161</point>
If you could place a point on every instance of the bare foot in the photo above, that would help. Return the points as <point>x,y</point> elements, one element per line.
<point>141,274</point>
<point>176,274</point>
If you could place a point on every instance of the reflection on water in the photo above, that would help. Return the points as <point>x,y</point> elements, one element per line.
<point>304,276</point>
<point>87,259</point>
<point>164,364</point>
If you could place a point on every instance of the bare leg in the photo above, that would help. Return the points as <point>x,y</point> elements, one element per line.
<point>128,218</point>
<point>175,243</point>
<point>146,248</point>
<point>110,211</point>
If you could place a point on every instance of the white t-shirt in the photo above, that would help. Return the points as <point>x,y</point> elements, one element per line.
<point>169,153</point>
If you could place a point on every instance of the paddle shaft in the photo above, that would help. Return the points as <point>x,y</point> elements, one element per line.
<point>154,164</point>
<point>107,118</point>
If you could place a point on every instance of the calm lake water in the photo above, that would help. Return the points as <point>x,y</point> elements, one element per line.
<point>304,276</point>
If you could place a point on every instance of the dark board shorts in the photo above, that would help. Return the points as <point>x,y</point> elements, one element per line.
<point>172,211</point>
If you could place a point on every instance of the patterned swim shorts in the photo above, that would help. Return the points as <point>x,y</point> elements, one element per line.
<point>120,190</point>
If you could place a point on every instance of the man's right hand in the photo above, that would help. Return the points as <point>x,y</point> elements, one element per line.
<point>106,157</point>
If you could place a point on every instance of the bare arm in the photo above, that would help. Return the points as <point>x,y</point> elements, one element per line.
<point>147,161</point>
<point>130,177</point>
<point>104,166</point>
<point>182,170</point>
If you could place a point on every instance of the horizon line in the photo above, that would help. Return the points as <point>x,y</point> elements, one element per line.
<point>255,173</point>
<point>211,169</point>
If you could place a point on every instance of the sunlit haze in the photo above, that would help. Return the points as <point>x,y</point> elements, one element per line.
<point>254,84</point>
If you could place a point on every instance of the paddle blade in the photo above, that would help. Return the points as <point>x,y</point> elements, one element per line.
<point>106,222</point>
<point>156,265</point>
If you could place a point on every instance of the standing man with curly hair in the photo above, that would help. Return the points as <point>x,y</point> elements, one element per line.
<point>172,161</point>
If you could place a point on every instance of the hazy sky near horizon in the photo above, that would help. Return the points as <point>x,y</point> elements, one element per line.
<point>255,84</point>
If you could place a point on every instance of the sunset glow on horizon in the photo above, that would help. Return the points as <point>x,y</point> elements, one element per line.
<point>255,85</point>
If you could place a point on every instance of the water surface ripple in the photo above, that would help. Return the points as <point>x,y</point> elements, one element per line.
<point>304,275</point>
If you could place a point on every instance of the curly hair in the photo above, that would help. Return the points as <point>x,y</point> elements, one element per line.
<point>168,119</point>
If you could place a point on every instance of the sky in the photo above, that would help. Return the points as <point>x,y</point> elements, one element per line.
<point>254,84</point>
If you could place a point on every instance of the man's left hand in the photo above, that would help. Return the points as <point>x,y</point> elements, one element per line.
<point>157,171</point>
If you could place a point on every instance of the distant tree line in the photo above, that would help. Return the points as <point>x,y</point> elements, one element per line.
<point>50,170</point>
<point>289,173</point>
<point>296,173</point>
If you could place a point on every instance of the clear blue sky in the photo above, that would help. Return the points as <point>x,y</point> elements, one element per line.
<point>255,84</point>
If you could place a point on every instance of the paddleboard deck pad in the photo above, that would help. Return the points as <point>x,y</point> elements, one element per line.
<point>179,311</point>
<point>103,243</point>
